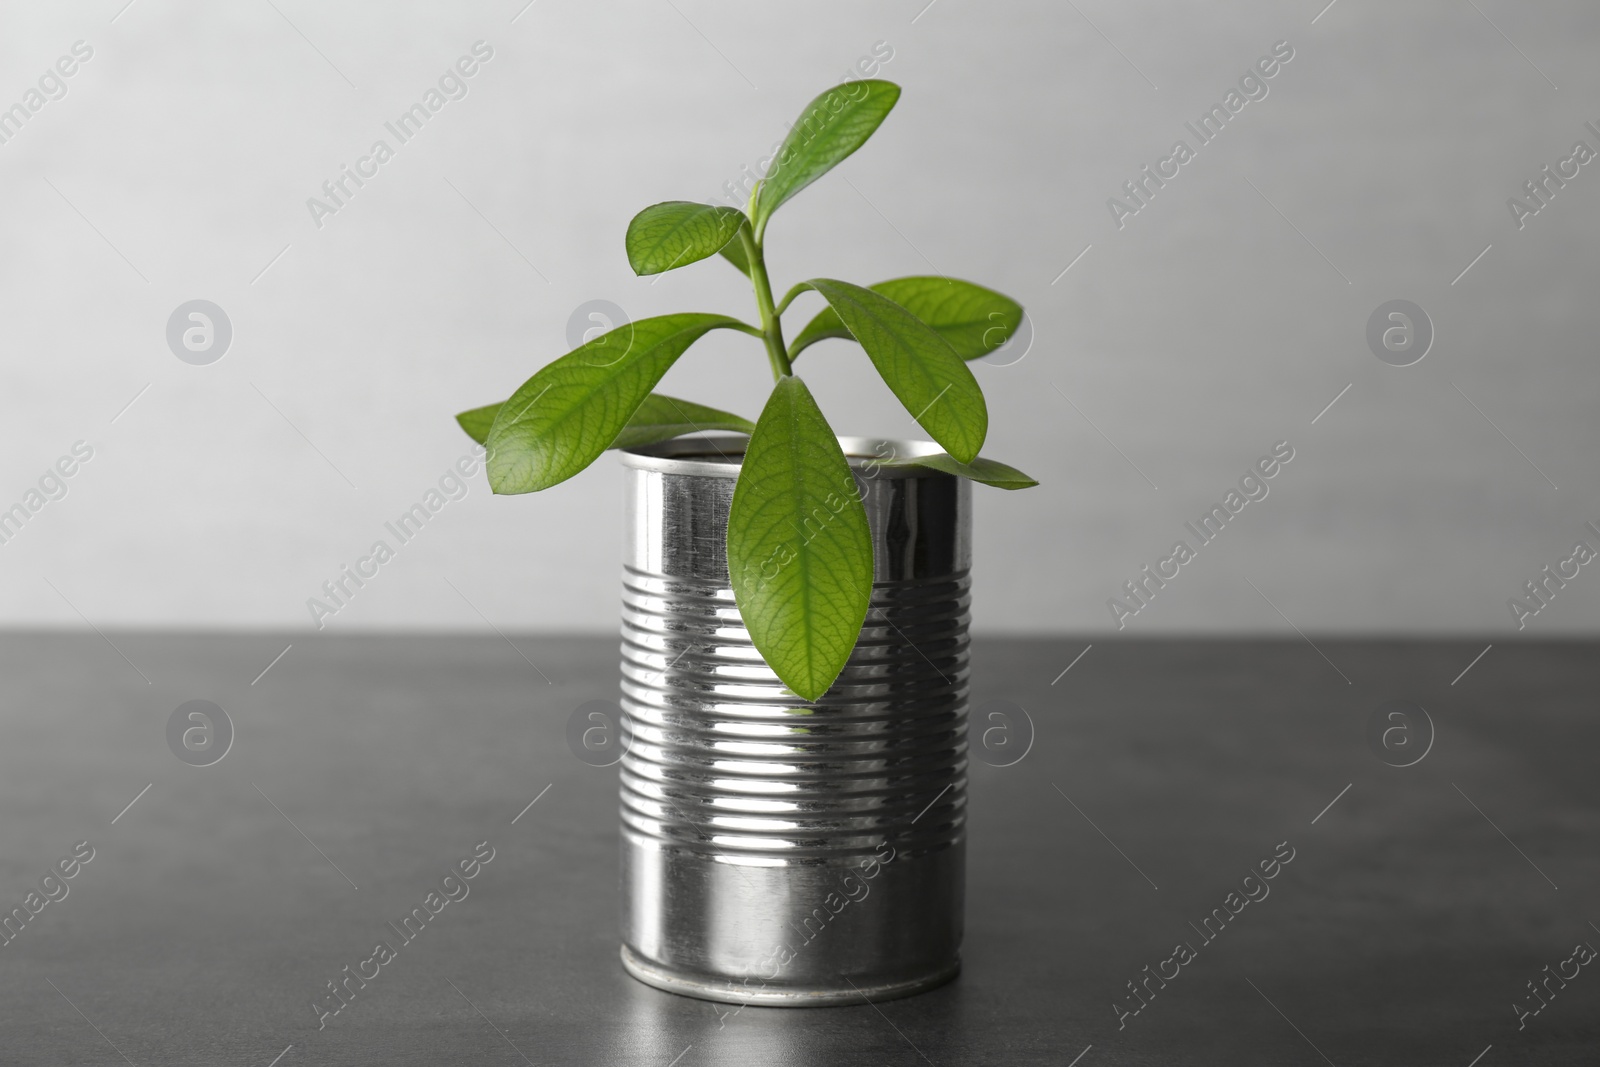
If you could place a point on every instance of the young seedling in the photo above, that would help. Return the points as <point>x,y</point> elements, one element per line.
<point>802,598</point>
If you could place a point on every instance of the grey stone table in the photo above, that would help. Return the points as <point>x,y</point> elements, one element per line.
<point>1419,904</point>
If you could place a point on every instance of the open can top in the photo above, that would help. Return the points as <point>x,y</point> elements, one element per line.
<point>719,456</point>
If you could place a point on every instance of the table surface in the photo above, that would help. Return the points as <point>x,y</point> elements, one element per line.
<point>216,908</point>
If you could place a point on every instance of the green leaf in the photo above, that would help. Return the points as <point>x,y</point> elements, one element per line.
<point>832,126</point>
<point>566,415</point>
<point>733,251</point>
<point>799,549</point>
<point>677,233</point>
<point>988,471</point>
<point>975,320</point>
<point>919,366</point>
<point>662,417</point>
<point>477,421</point>
<point>659,418</point>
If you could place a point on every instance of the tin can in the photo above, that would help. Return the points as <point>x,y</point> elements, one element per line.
<point>774,851</point>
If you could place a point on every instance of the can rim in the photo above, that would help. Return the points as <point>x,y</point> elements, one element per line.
<point>714,456</point>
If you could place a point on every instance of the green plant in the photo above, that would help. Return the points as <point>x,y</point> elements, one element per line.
<point>801,590</point>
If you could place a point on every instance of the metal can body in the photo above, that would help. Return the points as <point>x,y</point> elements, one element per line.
<point>774,851</point>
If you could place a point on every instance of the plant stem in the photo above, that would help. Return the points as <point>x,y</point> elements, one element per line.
<point>771,326</point>
<point>788,297</point>
<point>745,327</point>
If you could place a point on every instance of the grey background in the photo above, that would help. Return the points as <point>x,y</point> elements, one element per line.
<point>1219,320</point>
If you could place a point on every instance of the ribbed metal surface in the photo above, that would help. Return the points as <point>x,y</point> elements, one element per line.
<point>741,803</point>
<point>719,759</point>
